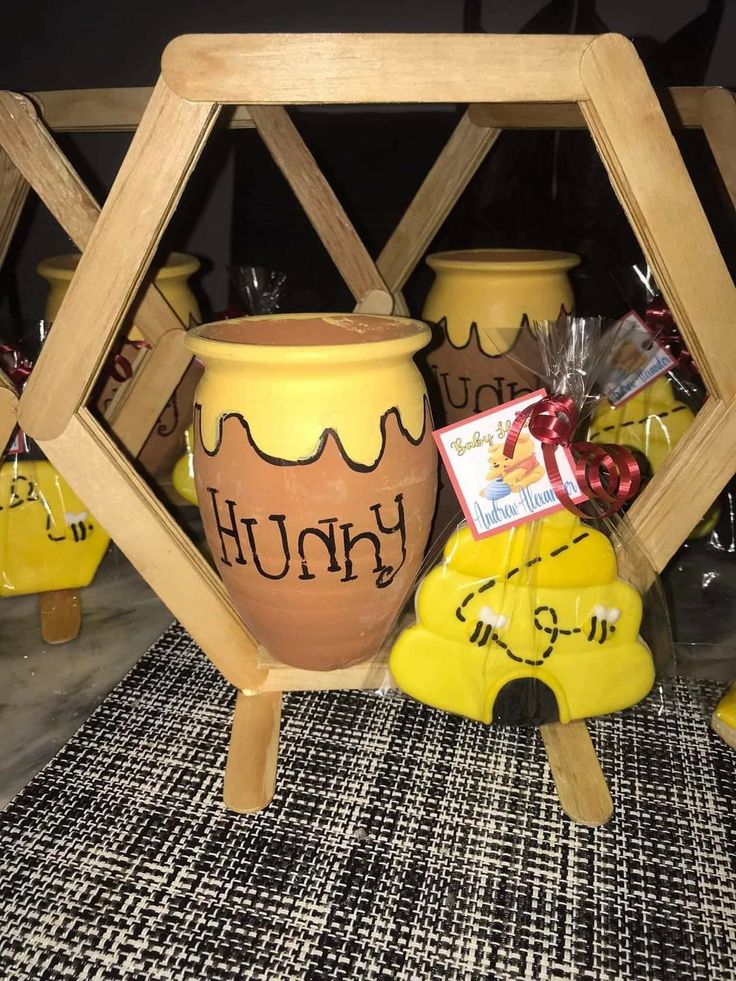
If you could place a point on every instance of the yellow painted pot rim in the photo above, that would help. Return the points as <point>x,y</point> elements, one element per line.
<point>307,338</point>
<point>504,260</point>
<point>61,268</point>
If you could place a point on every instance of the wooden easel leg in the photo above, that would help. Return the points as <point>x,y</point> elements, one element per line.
<point>61,615</point>
<point>581,785</point>
<point>250,774</point>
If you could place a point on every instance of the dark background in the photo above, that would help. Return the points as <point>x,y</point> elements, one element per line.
<point>237,206</point>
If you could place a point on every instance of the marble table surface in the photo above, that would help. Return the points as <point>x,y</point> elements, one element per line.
<point>47,692</point>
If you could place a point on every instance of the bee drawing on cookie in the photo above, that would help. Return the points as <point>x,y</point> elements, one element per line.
<point>511,474</point>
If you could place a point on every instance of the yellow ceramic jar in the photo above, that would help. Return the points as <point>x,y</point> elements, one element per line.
<point>167,438</point>
<point>479,300</point>
<point>171,279</point>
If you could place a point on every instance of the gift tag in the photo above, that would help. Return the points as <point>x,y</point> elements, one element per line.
<point>636,359</point>
<point>497,492</point>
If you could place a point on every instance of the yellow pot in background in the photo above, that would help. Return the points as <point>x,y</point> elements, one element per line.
<point>48,539</point>
<point>167,437</point>
<point>479,300</point>
<point>171,279</point>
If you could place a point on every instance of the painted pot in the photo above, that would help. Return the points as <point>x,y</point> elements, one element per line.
<point>163,446</point>
<point>480,299</point>
<point>48,539</point>
<point>315,472</point>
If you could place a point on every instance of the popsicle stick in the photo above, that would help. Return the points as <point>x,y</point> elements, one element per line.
<point>155,170</point>
<point>581,785</point>
<point>105,110</point>
<point>293,69</point>
<point>36,155</point>
<point>718,118</point>
<point>13,194</point>
<point>61,615</point>
<point>680,103</point>
<point>319,201</point>
<point>138,404</point>
<point>371,674</point>
<point>449,176</point>
<point>631,132</point>
<point>375,301</point>
<point>250,773</point>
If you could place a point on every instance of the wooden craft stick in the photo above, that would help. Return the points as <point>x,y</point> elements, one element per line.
<point>293,69</point>
<point>452,171</point>
<point>371,674</point>
<point>61,615</point>
<point>680,104</point>
<point>631,133</point>
<point>111,110</point>
<point>13,194</point>
<point>375,301</point>
<point>35,154</point>
<point>581,785</point>
<point>318,199</point>
<point>71,203</point>
<point>133,414</point>
<point>718,119</point>
<point>250,773</point>
<point>156,167</point>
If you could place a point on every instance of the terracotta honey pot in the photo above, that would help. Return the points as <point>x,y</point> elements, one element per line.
<point>165,443</point>
<point>479,302</point>
<point>316,475</point>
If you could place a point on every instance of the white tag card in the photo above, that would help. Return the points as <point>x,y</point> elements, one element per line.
<point>636,359</point>
<point>497,492</point>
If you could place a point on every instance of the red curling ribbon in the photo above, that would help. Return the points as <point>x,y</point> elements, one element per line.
<point>604,471</point>
<point>17,368</point>
<point>659,319</point>
<point>14,364</point>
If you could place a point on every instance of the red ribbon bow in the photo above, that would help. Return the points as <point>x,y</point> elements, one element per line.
<point>604,471</point>
<point>660,320</point>
<point>14,364</point>
<point>17,368</point>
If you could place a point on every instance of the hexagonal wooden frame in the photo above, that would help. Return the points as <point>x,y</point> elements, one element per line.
<point>30,158</point>
<point>601,76</point>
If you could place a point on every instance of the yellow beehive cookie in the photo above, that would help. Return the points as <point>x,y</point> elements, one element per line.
<point>724,717</point>
<point>48,539</point>
<point>542,601</point>
<point>651,422</point>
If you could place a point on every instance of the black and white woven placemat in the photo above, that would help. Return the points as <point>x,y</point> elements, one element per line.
<point>402,844</point>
